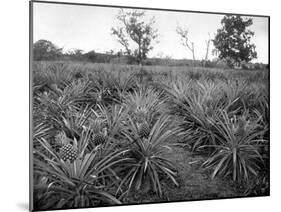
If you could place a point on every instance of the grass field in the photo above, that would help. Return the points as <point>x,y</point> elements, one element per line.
<point>106,134</point>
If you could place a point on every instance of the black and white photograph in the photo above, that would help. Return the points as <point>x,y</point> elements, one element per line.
<point>136,105</point>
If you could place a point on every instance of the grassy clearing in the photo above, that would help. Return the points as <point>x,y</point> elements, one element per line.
<point>108,134</point>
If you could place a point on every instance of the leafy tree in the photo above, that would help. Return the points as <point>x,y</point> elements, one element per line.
<point>233,40</point>
<point>134,29</point>
<point>91,56</point>
<point>46,50</point>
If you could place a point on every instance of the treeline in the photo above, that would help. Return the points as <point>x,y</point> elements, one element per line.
<point>44,50</point>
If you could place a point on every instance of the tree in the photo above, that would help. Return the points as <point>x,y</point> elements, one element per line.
<point>46,50</point>
<point>134,29</point>
<point>91,56</point>
<point>185,41</point>
<point>233,40</point>
<point>207,42</point>
<point>75,54</point>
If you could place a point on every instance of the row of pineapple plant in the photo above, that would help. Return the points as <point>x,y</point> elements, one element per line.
<point>226,122</point>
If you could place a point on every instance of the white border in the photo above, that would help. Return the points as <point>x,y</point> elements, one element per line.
<point>15,104</point>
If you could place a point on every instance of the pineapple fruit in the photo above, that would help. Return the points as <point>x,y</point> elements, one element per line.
<point>98,138</point>
<point>68,152</point>
<point>144,130</point>
<point>99,132</point>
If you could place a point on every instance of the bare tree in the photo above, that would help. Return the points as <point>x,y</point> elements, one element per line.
<point>207,47</point>
<point>185,41</point>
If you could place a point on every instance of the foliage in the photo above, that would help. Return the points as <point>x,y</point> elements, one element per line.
<point>259,186</point>
<point>196,104</point>
<point>147,161</point>
<point>46,50</point>
<point>222,115</point>
<point>86,181</point>
<point>237,151</point>
<point>145,104</point>
<point>75,54</point>
<point>233,40</point>
<point>133,28</point>
<point>82,183</point>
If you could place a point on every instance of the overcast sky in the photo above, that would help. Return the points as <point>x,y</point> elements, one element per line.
<point>88,28</point>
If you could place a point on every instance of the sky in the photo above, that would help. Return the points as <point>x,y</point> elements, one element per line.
<point>89,28</point>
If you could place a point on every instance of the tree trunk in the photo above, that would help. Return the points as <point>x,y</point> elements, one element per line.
<point>193,51</point>
<point>207,49</point>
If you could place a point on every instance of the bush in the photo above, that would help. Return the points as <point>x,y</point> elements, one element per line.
<point>124,60</point>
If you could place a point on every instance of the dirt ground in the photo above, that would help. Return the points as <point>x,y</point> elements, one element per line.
<point>194,182</point>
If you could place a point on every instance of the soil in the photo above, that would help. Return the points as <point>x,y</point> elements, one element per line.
<point>195,182</point>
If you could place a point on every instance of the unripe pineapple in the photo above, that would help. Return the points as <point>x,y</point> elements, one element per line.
<point>68,152</point>
<point>241,127</point>
<point>98,138</point>
<point>144,130</point>
<point>99,132</point>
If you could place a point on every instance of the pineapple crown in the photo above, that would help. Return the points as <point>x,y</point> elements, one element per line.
<point>140,114</point>
<point>143,123</point>
<point>97,125</point>
<point>63,139</point>
<point>240,124</point>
